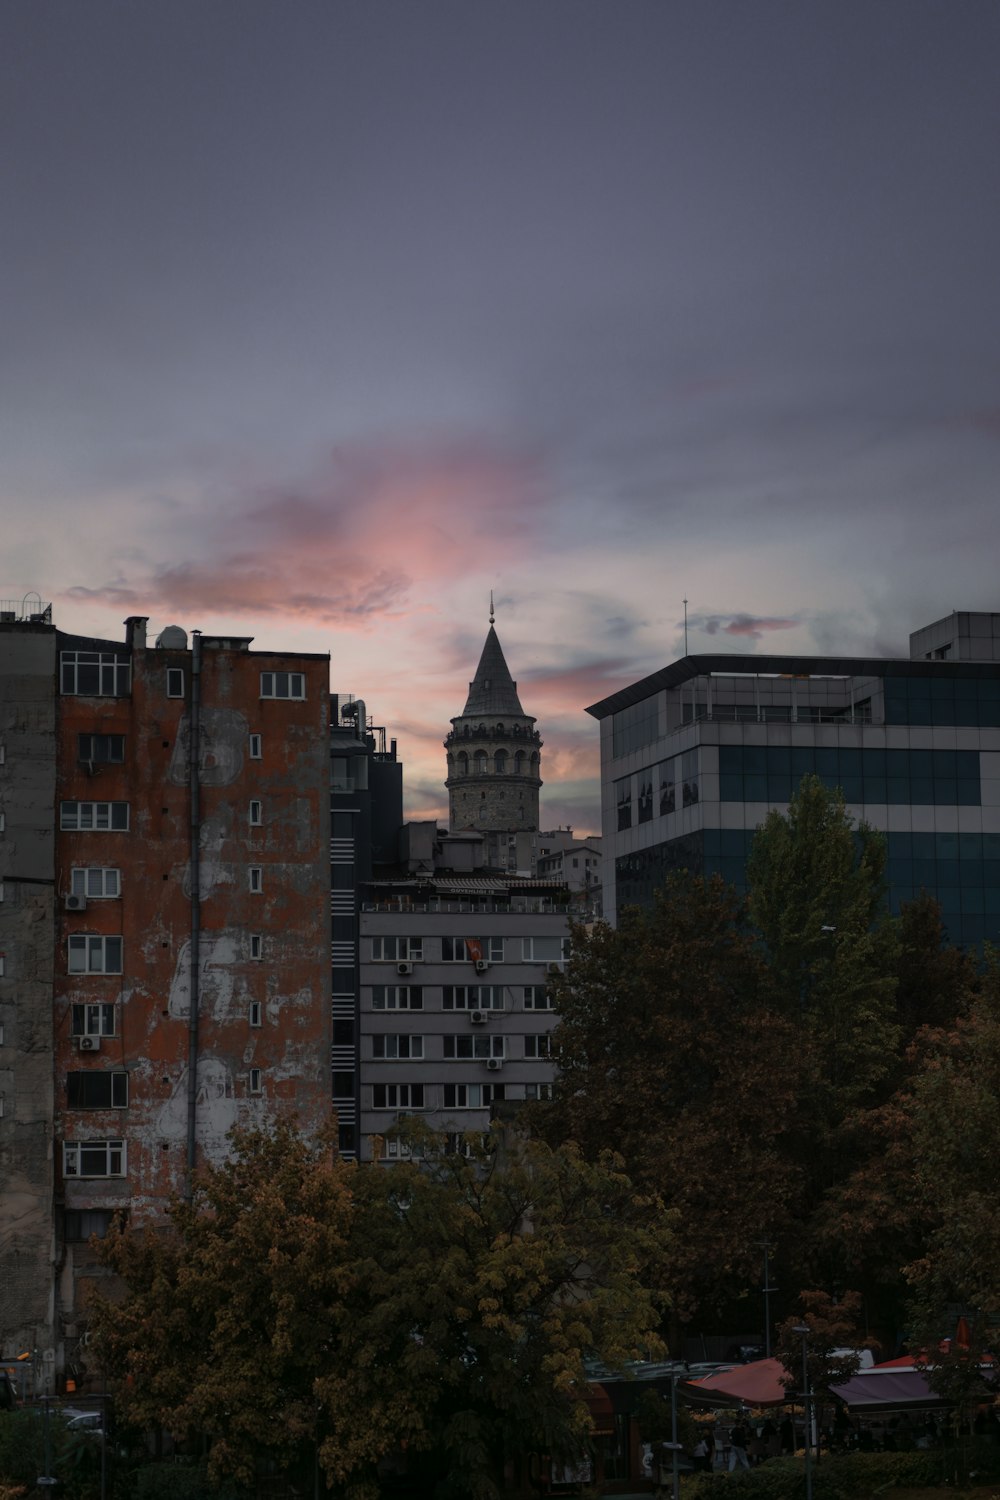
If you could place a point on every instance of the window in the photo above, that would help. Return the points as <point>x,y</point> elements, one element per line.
<point>645,800</point>
<point>79,1225</point>
<point>256,945</point>
<point>3,821</point>
<point>95,674</point>
<point>101,749</point>
<point>398,1096</point>
<point>396,1048</point>
<point>93,1158</point>
<point>472,1095</point>
<point>3,964</point>
<point>635,726</point>
<point>623,792</point>
<point>473,1048</point>
<point>536,997</point>
<point>256,877</point>
<point>175,682</point>
<point>538,1046</point>
<point>256,814</point>
<point>393,1149</point>
<point>256,1013</point>
<point>95,955</point>
<point>343,1085</point>
<point>538,1090</point>
<point>397,997</point>
<point>96,882</point>
<point>472,950</point>
<point>343,1032</point>
<point>282,685</point>
<point>473,997</point>
<point>97,1090</point>
<point>256,747</point>
<point>255,1081</point>
<point>397,949</point>
<point>93,1020</point>
<point>545,950</point>
<point>97,817</point>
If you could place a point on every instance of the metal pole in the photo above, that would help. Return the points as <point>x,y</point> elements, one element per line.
<point>808,1416</point>
<point>676,1478</point>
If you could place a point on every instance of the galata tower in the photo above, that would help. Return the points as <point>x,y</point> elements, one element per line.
<point>494,753</point>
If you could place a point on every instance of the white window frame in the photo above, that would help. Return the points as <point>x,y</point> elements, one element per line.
<point>398,1047</point>
<point>115,1158</point>
<point>538,1090</point>
<point>462,1048</point>
<point>256,1084</point>
<point>537,997</point>
<point>256,947</point>
<point>397,997</point>
<point>114,674</point>
<point>100,817</point>
<point>255,877</point>
<point>172,675</point>
<point>454,950</point>
<point>471,1095</point>
<point>255,813</point>
<point>83,880</point>
<point>3,964</point>
<point>528,949</point>
<point>397,1096</point>
<point>118,1085</point>
<point>95,945</point>
<point>283,685</point>
<point>467,997</point>
<point>98,1018</point>
<point>538,1047</point>
<point>82,746</point>
<point>397,950</point>
<point>3,821</point>
<point>256,747</point>
<point>256,1013</point>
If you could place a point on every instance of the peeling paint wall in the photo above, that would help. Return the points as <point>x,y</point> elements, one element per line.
<point>264,959</point>
<point>27,852</point>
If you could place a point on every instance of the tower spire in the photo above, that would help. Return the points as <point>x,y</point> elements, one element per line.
<point>492,614</point>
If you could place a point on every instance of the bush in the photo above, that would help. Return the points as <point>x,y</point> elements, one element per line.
<point>22,1450</point>
<point>176,1479</point>
<point>852,1476</point>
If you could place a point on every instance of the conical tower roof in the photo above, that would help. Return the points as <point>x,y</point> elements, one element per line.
<point>493,691</point>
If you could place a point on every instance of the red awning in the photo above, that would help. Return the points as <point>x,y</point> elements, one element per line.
<point>756,1384</point>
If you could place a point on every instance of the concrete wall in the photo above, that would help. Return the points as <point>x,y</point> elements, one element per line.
<point>27,785</point>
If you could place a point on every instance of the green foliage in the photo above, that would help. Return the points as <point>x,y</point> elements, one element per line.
<point>300,1304</point>
<point>22,1451</point>
<point>833,1326</point>
<point>853,1476</point>
<point>176,1479</point>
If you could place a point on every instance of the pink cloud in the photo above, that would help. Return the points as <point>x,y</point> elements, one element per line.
<point>751,626</point>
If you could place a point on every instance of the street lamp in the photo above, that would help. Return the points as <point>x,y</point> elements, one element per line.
<point>803,1330</point>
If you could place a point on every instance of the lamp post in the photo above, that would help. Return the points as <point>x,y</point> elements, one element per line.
<point>803,1330</point>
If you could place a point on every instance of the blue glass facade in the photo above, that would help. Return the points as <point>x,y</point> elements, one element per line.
<point>972,702</point>
<point>961,870</point>
<point>770,773</point>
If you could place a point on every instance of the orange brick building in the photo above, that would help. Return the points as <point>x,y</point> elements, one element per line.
<point>190,987</point>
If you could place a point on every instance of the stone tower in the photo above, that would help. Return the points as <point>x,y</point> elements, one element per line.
<point>493,753</point>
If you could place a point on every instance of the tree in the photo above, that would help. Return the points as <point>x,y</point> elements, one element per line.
<point>833,1344</point>
<point>817,898</point>
<point>445,1305</point>
<point>669,1052</point>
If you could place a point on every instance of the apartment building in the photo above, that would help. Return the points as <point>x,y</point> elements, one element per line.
<point>455,1013</point>
<point>694,756</point>
<point>178,982</point>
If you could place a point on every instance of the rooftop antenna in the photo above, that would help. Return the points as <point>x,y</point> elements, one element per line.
<point>685,627</point>
<point>492,615</point>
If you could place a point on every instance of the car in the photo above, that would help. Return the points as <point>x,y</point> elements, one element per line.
<point>85,1421</point>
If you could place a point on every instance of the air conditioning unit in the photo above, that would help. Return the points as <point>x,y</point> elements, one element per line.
<point>88,1043</point>
<point>8,616</point>
<point>481,965</point>
<point>76,903</point>
<point>404,968</point>
<point>494,1064</point>
<point>478,1017</point>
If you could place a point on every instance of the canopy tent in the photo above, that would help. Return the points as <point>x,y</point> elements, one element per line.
<point>756,1384</point>
<point>885,1388</point>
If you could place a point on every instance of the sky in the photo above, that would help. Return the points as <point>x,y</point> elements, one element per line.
<point>323,318</point>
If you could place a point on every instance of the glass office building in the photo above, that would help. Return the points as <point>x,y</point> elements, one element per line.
<point>695,756</point>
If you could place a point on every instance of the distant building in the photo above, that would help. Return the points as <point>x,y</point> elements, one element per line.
<point>694,757</point>
<point>575,862</point>
<point>166,960</point>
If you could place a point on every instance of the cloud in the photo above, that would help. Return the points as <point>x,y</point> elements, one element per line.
<point>751,626</point>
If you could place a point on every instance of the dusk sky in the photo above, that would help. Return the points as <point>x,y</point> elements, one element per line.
<point>322,318</point>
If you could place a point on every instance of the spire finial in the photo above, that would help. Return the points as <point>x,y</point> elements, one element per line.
<point>492,615</point>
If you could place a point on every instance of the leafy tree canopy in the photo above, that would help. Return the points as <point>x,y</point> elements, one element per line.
<point>446,1305</point>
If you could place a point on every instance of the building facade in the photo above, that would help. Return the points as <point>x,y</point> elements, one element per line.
<point>187,987</point>
<point>694,757</point>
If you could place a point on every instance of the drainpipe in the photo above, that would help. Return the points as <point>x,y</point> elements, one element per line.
<point>194,747</point>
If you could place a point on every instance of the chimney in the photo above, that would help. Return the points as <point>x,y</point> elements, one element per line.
<point>135,632</point>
